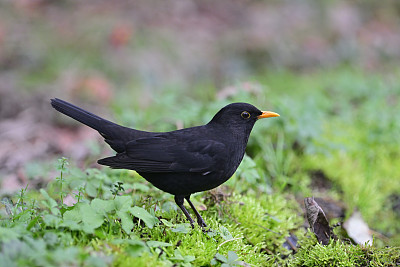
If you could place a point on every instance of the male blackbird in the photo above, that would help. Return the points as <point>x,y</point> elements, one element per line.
<point>180,162</point>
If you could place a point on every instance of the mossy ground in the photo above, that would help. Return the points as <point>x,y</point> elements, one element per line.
<point>342,253</point>
<point>349,136</point>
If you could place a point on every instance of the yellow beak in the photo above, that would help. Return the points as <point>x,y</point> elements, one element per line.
<point>268,114</point>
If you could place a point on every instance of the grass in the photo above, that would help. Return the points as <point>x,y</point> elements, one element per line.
<point>342,122</point>
<point>124,227</point>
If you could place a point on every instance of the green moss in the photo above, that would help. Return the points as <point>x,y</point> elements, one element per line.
<point>339,253</point>
<point>144,260</point>
<point>264,221</point>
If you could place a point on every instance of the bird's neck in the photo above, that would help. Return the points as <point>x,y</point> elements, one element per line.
<point>238,147</point>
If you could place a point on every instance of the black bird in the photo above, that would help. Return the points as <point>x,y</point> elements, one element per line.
<point>180,162</point>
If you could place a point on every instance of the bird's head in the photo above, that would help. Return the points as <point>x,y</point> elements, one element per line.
<point>240,116</point>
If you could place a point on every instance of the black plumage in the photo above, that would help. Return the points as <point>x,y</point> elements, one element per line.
<point>179,162</point>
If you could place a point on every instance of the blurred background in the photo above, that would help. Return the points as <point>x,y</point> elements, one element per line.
<point>330,68</point>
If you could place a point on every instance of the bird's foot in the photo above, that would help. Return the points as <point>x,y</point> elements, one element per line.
<point>201,223</point>
<point>203,226</point>
<point>206,231</point>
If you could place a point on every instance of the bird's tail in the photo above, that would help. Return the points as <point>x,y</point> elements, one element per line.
<point>81,115</point>
<point>115,135</point>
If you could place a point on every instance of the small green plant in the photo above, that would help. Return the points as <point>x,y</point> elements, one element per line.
<point>229,261</point>
<point>21,199</point>
<point>62,167</point>
<point>182,260</point>
<point>117,189</point>
<point>80,194</point>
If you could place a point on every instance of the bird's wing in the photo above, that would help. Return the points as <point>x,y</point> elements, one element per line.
<point>159,154</point>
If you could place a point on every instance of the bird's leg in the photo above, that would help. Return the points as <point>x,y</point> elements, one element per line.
<point>200,220</point>
<point>179,201</point>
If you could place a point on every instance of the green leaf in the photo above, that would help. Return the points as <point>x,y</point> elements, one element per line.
<point>145,216</point>
<point>155,244</point>
<point>167,223</point>
<point>221,257</point>
<point>52,220</point>
<point>136,250</point>
<point>72,219</point>
<point>91,189</point>
<point>123,203</point>
<point>224,233</point>
<point>126,221</point>
<point>63,209</point>
<point>232,256</point>
<point>72,225</point>
<point>50,202</point>
<point>102,206</point>
<point>90,218</point>
<point>83,217</point>
<point>189,258</point>
<point>55,211</point>
<point>73,214</point>
<point>32,223</point>
<point>177,255</point>
<point>183,228</point>
<point>23,216</point>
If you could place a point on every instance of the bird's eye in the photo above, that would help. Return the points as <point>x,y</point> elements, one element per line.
<point>245,115</point>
